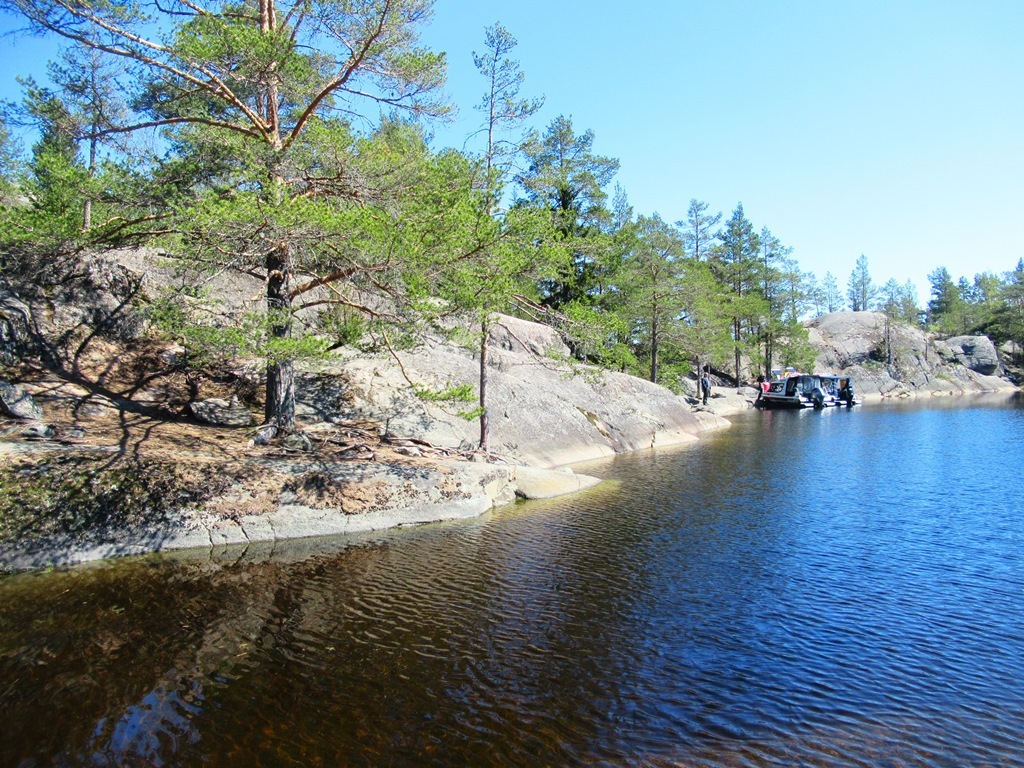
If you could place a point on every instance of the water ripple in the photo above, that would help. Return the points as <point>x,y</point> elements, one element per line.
<point>805,589</point>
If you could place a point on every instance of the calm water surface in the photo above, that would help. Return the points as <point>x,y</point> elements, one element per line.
<point>843,588</point>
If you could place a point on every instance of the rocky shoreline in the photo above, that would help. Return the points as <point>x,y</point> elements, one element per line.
<point>276,495</point>
<point>334,481</point>
<point>110,447</point>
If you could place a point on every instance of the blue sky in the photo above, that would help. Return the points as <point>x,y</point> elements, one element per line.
<point>891,129</point>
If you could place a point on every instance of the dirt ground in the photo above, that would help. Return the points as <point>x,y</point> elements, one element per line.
<point>118,446</point>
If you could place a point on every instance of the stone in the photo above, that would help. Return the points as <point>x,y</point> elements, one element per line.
<point>897,360</point>
<point>173,355</point>
<point>43,431</point>
<point>975,352</point>
<point>297,441</point>
<point>16,402</point>
<point>545,411</point>
<point>221,413</point>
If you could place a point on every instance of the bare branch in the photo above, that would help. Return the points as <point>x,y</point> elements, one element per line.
<point>352,65</point>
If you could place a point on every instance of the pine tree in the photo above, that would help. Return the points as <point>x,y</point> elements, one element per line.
<point>699,230</point>
<point>738,268</point>
<point>257,94</point>
<point>861,290</point>
<point>565,177</point>
<point>505,111</point>
<point>833,298</point>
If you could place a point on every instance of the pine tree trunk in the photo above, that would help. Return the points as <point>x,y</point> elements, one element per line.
<point>485,440</point>
<point>654,351</point>
<point>280,408</point>
<point>87,204</point>
<point>736,334</point>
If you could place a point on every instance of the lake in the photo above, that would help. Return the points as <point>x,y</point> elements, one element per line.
<point>834,588</point>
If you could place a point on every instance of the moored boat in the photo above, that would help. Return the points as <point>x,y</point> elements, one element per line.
<point>805,390</point>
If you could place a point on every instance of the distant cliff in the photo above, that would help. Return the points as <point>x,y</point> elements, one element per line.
<point>890,359</point>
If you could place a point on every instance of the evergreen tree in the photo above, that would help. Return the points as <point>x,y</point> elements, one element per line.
<point>833,298</point>
<point>909,311</point>
<point>55,155</point>
<point>861,290</point>
<point>815,294</point>
<point>699,230</point>
<point>652,285</point>
<point>738,268</point>
<point>91,86</point>
<point>505,111</point>
<point>785,290</point>
<point>778,293</point>
<point>565,177</point>
<point>703,333</point>
<point>255,87</point>
<point>984,298</point>
<point>1010,317</point>
<point>502,105</point>
<point>890,301</point>
<point>945,308</point>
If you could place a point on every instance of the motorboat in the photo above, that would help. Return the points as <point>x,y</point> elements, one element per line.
<point>806,390</point>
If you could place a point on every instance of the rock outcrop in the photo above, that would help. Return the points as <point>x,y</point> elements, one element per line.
<point>889,359</point>
<point>975,352</point>
<point>544,411</point>
<point>221,412</point>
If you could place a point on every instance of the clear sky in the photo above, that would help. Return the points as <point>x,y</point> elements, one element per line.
<point>889,128</point>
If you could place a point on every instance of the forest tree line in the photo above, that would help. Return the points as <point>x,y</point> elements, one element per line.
<point>289,141</point>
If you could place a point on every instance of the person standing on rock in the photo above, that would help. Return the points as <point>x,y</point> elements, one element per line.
<point>762,386</point>
<point>705,384</point>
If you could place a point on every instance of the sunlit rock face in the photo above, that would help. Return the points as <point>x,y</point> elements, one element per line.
<point>544,409</point>
<point>890,359</point>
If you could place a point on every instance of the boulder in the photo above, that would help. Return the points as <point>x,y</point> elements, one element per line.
<point>39,431</point>
<point>515,335</point>
<point>533,483</point>
<point>976,352</point>
<point>15,327</point>
<point>16,402</point>
<point>846,338</point>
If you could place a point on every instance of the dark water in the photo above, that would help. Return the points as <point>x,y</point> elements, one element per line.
<point>843,588</point>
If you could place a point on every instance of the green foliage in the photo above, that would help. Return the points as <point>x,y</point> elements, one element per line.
<point>272,172</point>
<point>453,393</point>
<point>1009,319</point>
<point>345,326</point>
<point>501,103</point>
<point>945,308</point>
<point>566,178</point>
<point>899,302</point>
<point>10,155</point>
<point>861,290</point>
<point>248,336</point>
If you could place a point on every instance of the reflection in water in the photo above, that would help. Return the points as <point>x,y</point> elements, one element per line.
<point>833,588</point>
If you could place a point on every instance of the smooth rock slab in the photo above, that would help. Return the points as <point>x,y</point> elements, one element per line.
<point>532,483</point>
